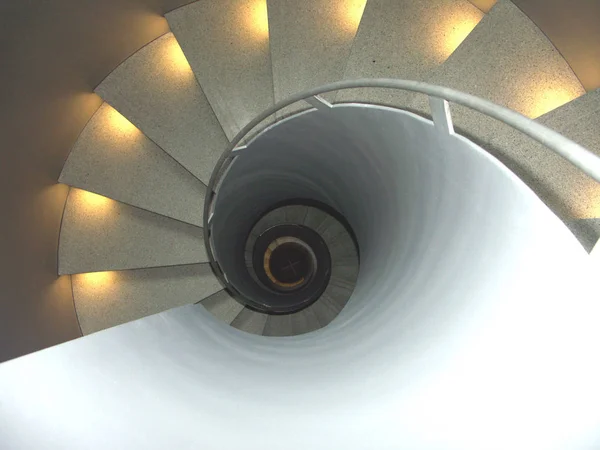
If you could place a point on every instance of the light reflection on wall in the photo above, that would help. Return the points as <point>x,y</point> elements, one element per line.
<point>92,204</point>
<point>351,12</point>
<point>97,281</point>
<point>548,99</point>
<point>257,19</point>
<point>118,122</point>
<point>454,29</point>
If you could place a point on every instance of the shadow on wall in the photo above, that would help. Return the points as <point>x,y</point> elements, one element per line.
<point>54,54</point>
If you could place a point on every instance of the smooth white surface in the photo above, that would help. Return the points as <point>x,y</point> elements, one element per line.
<point>472,325</point>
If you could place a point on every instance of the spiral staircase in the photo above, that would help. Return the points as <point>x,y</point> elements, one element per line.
<point>146,230</point>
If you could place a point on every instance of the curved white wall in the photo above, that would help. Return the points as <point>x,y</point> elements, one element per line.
<point>471,326</point>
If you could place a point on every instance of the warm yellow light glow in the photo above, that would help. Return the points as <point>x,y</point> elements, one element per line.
<point>351,12</point>
<point>546,100</point>
<point>93,203</point>
<point>455,29</point>
<point>591,208</point>
<point>95,280</point>
<point>173,57</point>
<point>257,19</point>
<point>120,123</point>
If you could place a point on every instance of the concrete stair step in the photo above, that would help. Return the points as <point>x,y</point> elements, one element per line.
<point>106,299</point>
<point>156,90</point>
<point>227,44</point>
<point>99,234</point>
<point>113,158</point>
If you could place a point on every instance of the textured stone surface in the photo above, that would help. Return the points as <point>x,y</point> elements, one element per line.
<point>339,292</point>
<point>304,321</point>
<point>278,326</point>
<point>223,306</point>
<point>100,234</point>
<point>156,90</point>
<point>227,45</point>
<point>508,60</point>
<point>564,188</point>
<point>114,159</point>
<point>250,321</point>
<point>295,214</point>
<point>314,218</point>
<point>112,298</point>
<point>310,43</point>
<point>586,230</point>
<point>325,311</point>
<point>346,274</point>
<point>405,39</point>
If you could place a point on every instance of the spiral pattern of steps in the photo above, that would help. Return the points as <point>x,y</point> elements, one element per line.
<point>131,234</point>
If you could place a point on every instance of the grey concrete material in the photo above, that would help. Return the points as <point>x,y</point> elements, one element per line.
<point>484,5</point>
<point>343,250</point>
<point>278,325</point>
<point>338,292</point>
<point>304,321</point>
<point>587,231</point>
<point>347,274</point>
<point>295,214</point>
<point>272,218</point>
<point>508,60</point>
<point>99,234</point>
<point>114,159</point>
<point>403,39</point>
<point>565,189</point>
<point>315,218</point>
<point>156,90</point>
<point>223,306</point>
<point>227,45</point>
<point>578,120</point>
<point>333,232</point>
<point>330,307</point>
<point>324,311</point>
<point>310,42</point>
<point>106,300</point>
<point>326,224</point>
<point>250,321</point>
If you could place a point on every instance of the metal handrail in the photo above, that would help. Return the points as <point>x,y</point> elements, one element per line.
<point>574,153</point>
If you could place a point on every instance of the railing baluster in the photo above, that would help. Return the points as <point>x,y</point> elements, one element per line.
<point>318,102</point>
<point>440,112</point>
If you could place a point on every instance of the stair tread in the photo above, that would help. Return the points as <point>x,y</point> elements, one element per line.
<point>310,43</point>
<point>338,295</point>
<point>250,321</point>
<point>295,214</point>
<point>304,321</point>
<point>565,189</point>
<point>227,46</point>
<point>278,325</point>
<point>346,274</point>
<point>99,234</point>
<point>156,90</point>
<point>223,306</point>
<point>505,43</point>
<point>403,39</point>
<point>314,218</point>
<point>325,310</point>
<point>114,159</point>
<point>106,300</point>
